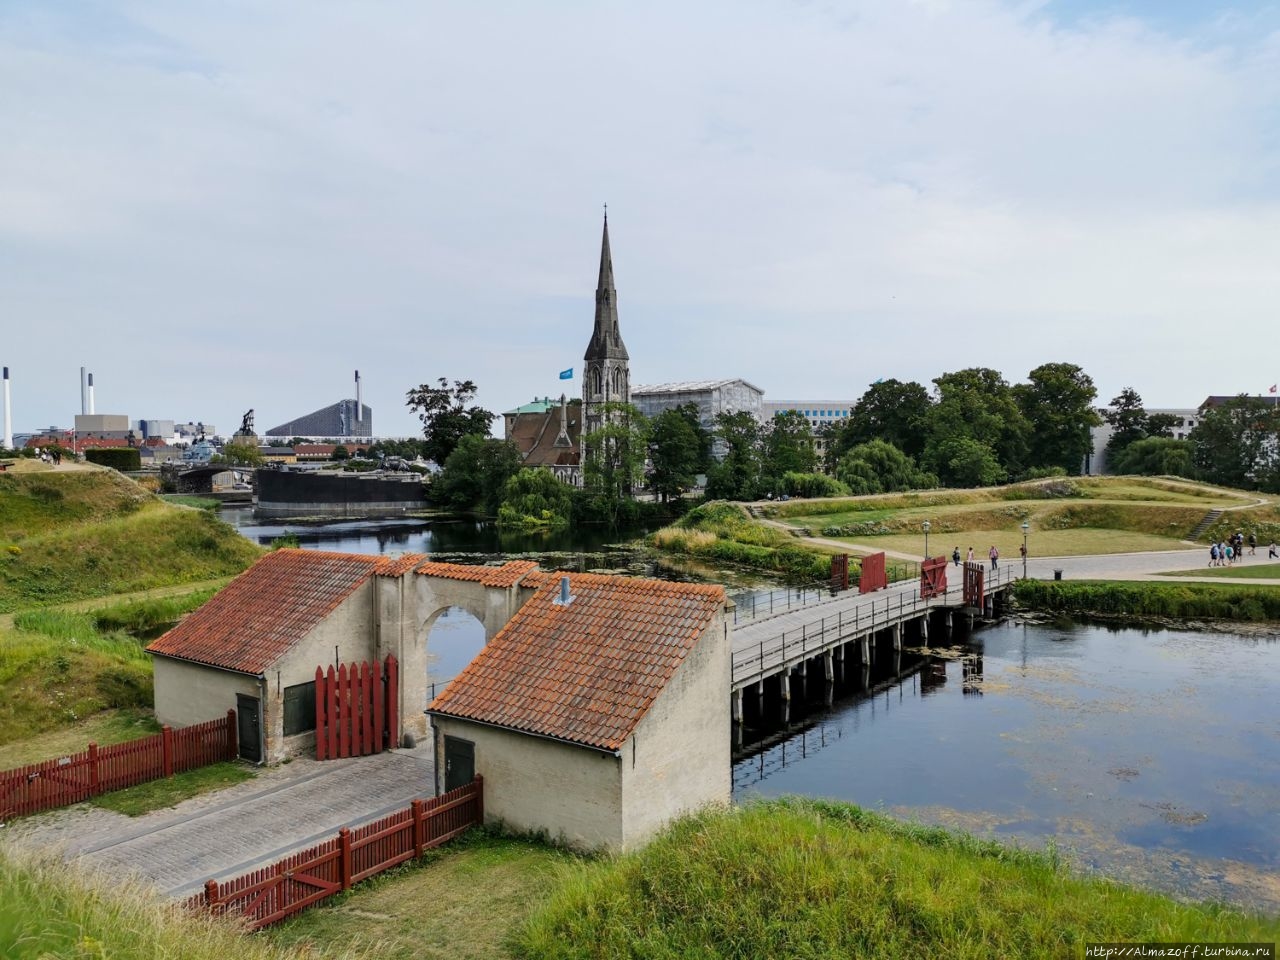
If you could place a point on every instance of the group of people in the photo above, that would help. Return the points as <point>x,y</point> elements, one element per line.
<point>1226,552</point>
<point>993,555</point>
<point>50,455</point>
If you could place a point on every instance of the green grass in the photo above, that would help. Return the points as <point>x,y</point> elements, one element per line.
<point>188,500</point>
<point>1265,571</point>
<point>48,911</point>
<point>816,879</point>
<point>462,902</point>
<point>102,728</point>
<point>1212,601</point>
<point>722,532</point>
<point>170,791</point>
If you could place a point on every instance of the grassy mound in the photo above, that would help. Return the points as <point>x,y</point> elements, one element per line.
<point>150,545</point>
<point>1196,601</point>
<point>35,503</point>
<point>814,879</point>
<point>47,910</point>
<point>723,533</point>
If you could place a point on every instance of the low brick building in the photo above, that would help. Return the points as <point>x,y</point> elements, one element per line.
<point>596,717</point>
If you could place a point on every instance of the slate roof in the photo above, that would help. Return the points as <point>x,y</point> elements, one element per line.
<point>587,672</point>
<point>253,621</point>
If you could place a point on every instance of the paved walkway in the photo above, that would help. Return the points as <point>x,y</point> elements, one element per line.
<point>222,835</point>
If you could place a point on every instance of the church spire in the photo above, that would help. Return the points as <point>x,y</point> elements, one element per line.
<point>606,338</point>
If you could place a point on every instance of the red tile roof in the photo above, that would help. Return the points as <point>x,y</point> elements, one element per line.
<point>253,621</point>
<point>587,672</point>
<point>504,576</point>
<point>400,566</point>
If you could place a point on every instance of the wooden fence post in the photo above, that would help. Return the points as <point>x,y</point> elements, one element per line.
<point>322,741</point>
<point>344,859</point>
<point>166,750</point>
<point>211,895</point>
<point>233,747</point>
<point>93,770</point>
<point>416,807</point>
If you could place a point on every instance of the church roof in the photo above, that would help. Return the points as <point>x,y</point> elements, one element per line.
<point>606,337</point>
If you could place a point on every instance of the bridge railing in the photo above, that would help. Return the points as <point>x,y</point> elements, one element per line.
<point>751,605</point>
<point>880,610</point>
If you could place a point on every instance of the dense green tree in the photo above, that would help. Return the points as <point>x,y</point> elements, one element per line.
<point>613,465</point>
<point>535,499</point>
<point>976,412</point>
<point>245,453</point>
<point>446,417</point>
<point>1128,421</point>
<point>340,452</point>
<point>1154,457</point>
<point>881,467</point>
<point>474,475</point>
<point>679,450</point>
<point>1162,424</point>
<point>889,410</point>
<point>1234,444</point>
<point>737,475</point>
<point>1058,404</point>
<point>786,447</point>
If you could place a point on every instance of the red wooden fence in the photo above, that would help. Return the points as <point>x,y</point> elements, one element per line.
<point>933,577</point>
<point>973,585</point>
<point>873,576</point>
<point>840,572</point>
<point>79,776</point>
<point>269,894</point>
<point>356,709</point>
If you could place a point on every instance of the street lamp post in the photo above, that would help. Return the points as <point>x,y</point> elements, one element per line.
<point>1025,528</point>
<point>926,539</point>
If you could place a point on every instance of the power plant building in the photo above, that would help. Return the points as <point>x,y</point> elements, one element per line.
<point>336,420</point>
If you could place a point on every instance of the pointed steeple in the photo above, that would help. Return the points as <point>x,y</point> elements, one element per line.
<point>606,338</point>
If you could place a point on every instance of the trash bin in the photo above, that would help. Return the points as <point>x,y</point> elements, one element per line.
<point>1057,574</point>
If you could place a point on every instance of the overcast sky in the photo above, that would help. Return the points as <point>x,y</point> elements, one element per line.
<point>222,206</point>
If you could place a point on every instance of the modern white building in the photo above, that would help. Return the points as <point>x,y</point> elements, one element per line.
<point>1096,463</point>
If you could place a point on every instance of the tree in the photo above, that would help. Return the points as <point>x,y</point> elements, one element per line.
<point>1235,444</point>
<point>975,429</point>
<point>737,475</point>
<point>446,417</point>
<point>1058,404</point>
<point>340,452</point>
<point>613,464</point>
<point>881,467</point>
<point>246,453</point>
<point>535,499</point>
<point>889,410</point>
<point>474,474</point>
<point>1162,424</point>
<point>679,449</point>
<point>1128,421</point>
<point>786,447</point>
<point>1156,456</point>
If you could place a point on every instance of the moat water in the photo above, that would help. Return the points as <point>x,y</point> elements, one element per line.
<point>1148,756</point>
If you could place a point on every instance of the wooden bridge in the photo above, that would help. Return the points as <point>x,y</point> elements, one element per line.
<point>820,636</point>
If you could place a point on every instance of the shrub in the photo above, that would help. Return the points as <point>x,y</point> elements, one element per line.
<point>117,458</point>
<point>813,485</point>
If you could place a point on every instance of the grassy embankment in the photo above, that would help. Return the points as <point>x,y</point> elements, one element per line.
<point>1068,517</point>
<point>1266,571</point>
<point>48,911</point>
<point>1181,601</point>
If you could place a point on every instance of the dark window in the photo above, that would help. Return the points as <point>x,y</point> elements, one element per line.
<point>299,708</point>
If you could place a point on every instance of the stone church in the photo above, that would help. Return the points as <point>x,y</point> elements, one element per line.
<point>549,434</point>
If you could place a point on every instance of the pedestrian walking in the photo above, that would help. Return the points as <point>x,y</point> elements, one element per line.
<point>994,554</point>
<point>1213,554</point>
<point>1231,554</point>
<point>955,556</point>
<point>1253,544</point>
<point>969,558</point>
<point>1271,551</point>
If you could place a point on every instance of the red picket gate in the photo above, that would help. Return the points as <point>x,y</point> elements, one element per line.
<point>840,572</point>
<point>356,709</point>
<point>933,577</point>
<point>973,585</point>
<point>873,575</point>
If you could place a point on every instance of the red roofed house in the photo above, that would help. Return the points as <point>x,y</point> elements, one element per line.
<point>254,647</point>
<point>596,717</point>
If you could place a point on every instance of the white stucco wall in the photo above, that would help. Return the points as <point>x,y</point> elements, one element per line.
<point>678,759</point>
<point>572,793</point>
<point>188,693</point>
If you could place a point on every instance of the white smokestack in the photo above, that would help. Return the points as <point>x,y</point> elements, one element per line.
<point>359,404</point>
<point>8,413</point>
<point>84,393</point>
<point>91,393</point>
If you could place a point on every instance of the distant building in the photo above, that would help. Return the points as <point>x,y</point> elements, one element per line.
<point>103,425</point>
<point>548,434</point>
<point>147,429</point>
<point>336,421</point>
<point>1095,462</point>
<point>711,397</point>
<point>819,413</point>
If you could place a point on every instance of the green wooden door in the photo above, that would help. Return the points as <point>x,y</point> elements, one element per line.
<point>459,762</point>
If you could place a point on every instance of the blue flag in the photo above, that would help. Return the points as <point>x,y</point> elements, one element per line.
<point>566,374</point>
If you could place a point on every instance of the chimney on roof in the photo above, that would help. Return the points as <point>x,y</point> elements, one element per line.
<point>564,598</point>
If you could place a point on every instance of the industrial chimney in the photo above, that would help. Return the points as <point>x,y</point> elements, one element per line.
<point>359,404</point>
<point>91,393</point>
<point>8,414</point>
<point>84,393</point>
